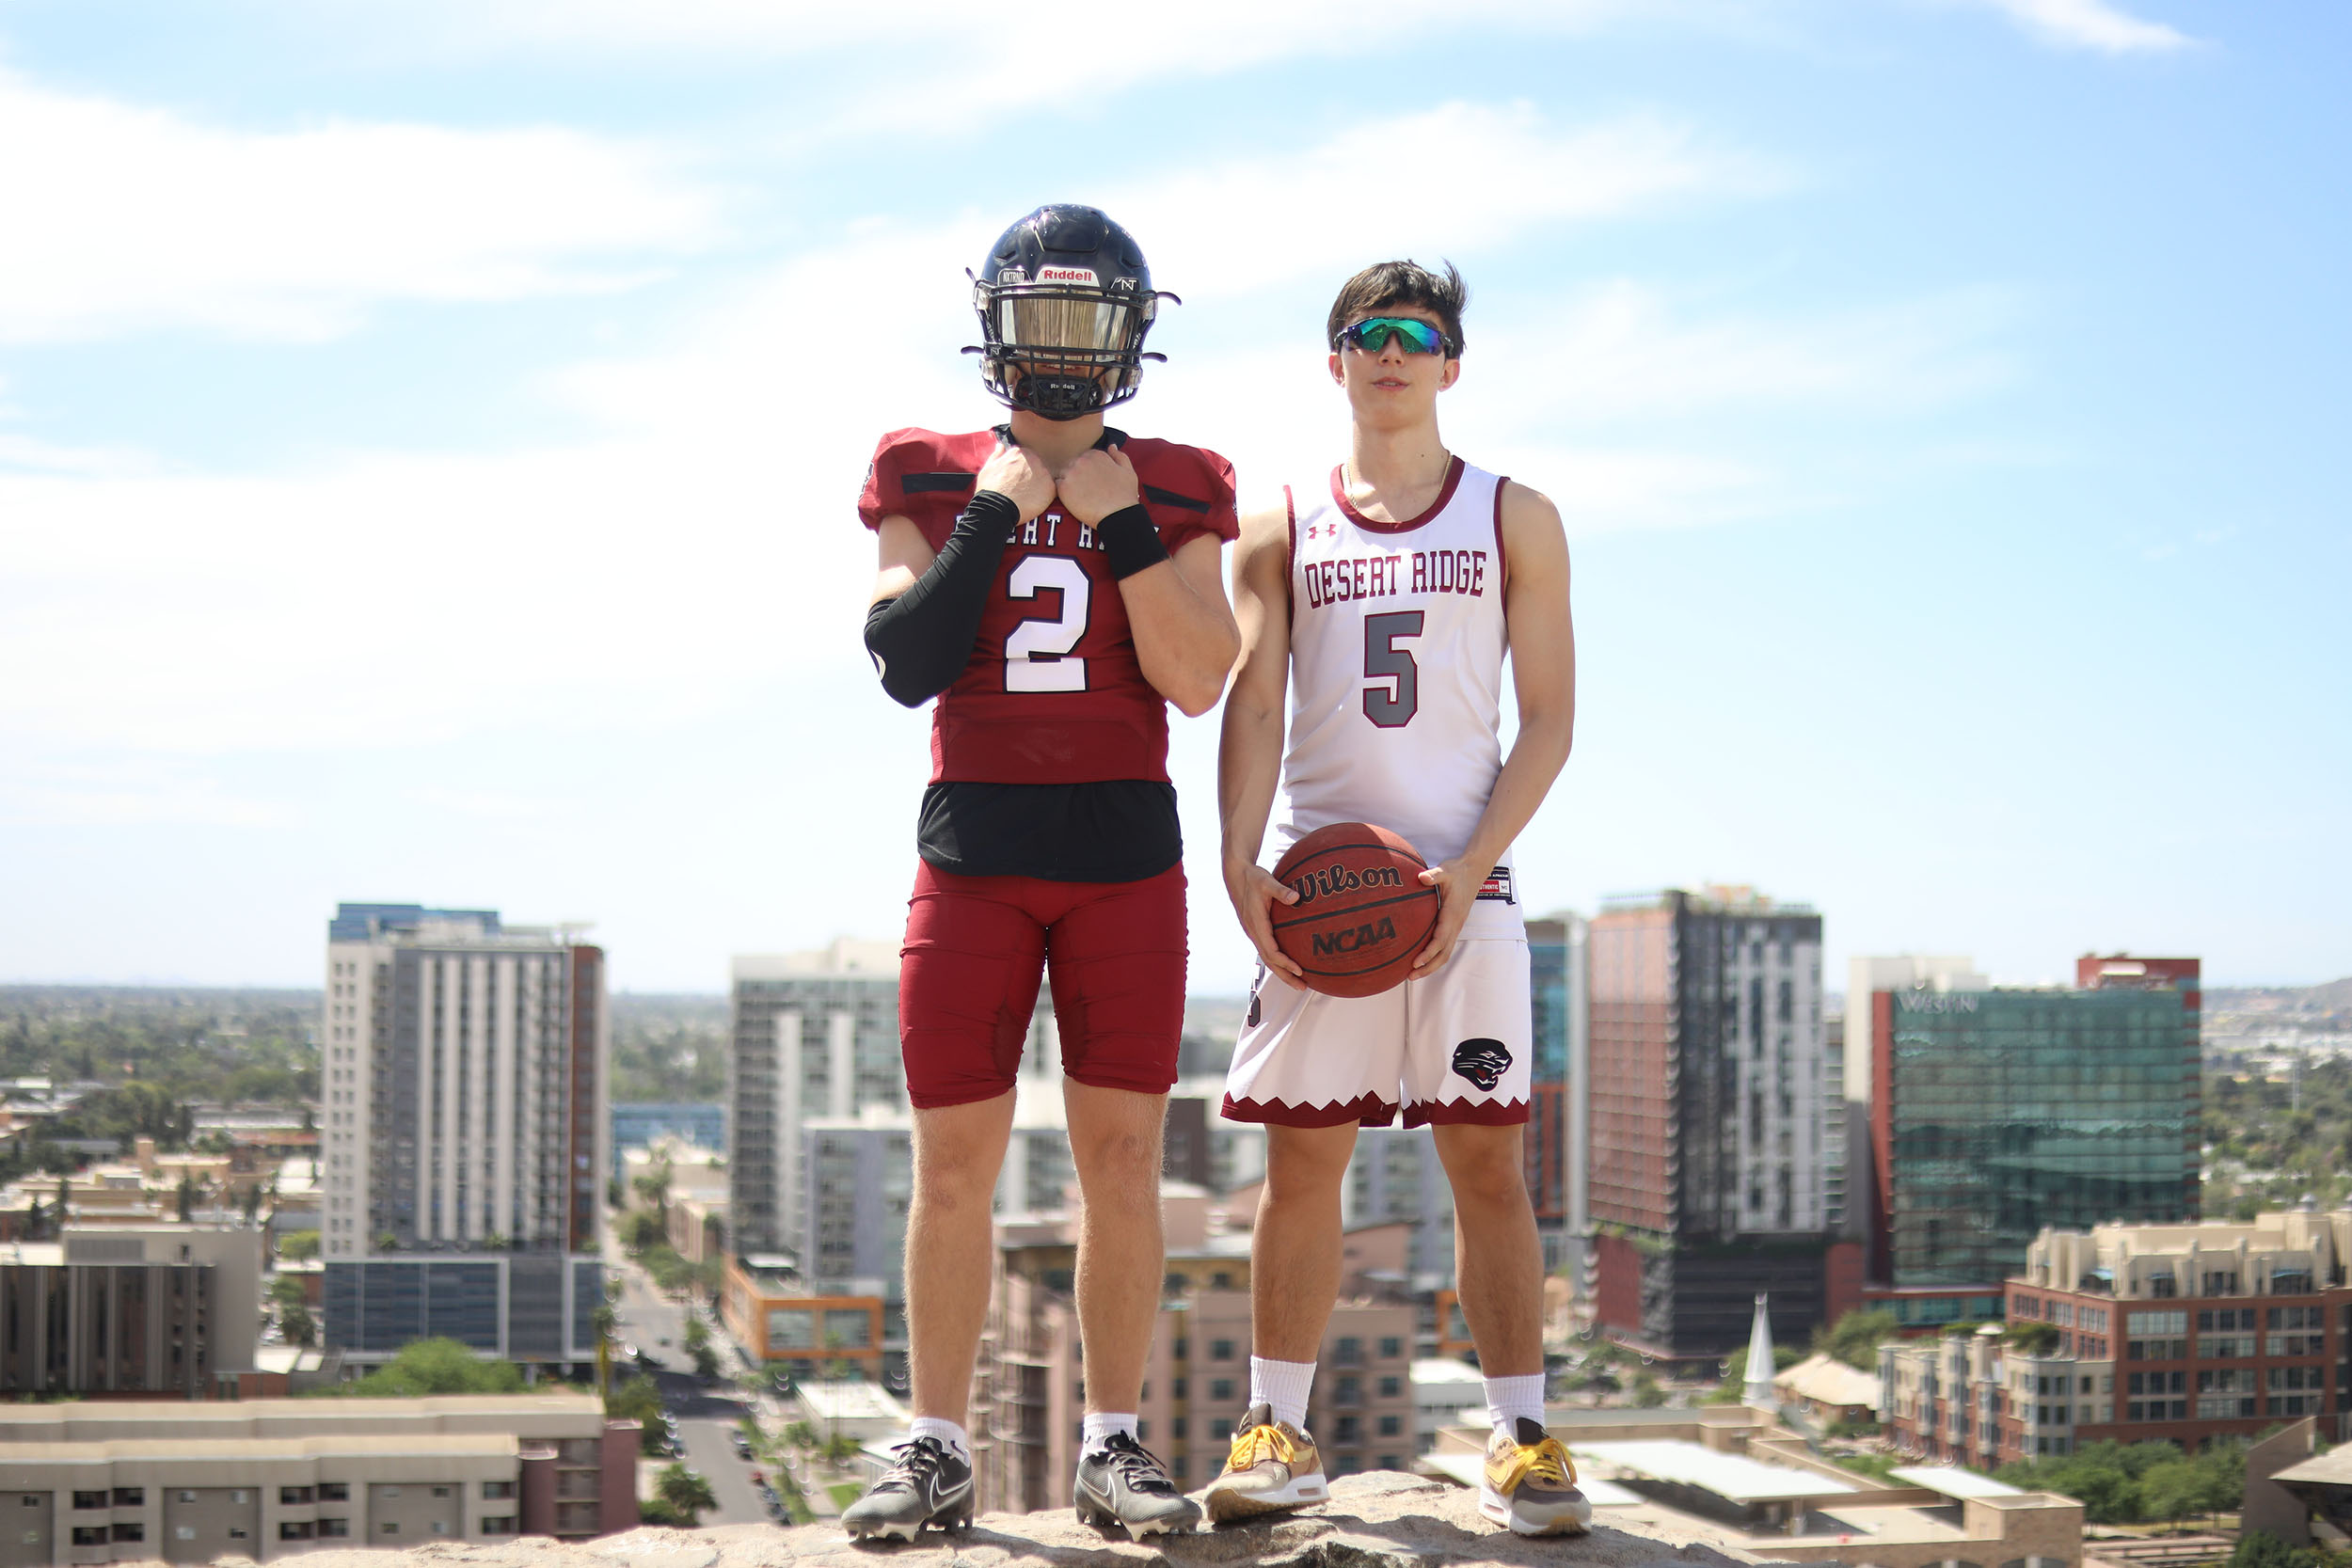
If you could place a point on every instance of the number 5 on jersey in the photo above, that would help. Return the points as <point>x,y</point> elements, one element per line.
<point>1384,660</point>
<point>1037,655</point>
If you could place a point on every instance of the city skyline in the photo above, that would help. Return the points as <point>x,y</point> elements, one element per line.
<point>429,438</point>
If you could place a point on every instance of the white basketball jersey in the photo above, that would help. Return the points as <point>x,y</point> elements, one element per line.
<point>1397,640</point>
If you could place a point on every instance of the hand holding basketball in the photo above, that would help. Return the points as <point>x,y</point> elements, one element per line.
<point>1256,896</point>
<point>1365,906</point>
<point>1457,886</point>
<point>1019,478</point>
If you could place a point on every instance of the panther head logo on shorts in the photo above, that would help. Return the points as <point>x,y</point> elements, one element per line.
<point>1482,1062</point>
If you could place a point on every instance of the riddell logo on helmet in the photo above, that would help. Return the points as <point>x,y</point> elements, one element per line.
<point>1067,275</point>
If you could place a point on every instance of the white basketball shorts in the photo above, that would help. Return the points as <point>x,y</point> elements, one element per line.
<point>1451,1048</point>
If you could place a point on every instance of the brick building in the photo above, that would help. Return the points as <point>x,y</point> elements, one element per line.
<point>2176,1333</point>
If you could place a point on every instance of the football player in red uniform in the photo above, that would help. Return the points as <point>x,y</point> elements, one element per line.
<point>1055,583</point>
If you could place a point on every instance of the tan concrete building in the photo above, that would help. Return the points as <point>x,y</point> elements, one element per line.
<point>86,1483</point>
<point>1029,1389</point>
<point>153,1309</point>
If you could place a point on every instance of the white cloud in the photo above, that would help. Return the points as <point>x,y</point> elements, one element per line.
<point>1625,350</point>
<point>2091,24</point>
<point>130,218</point>
<point>1503,170</point>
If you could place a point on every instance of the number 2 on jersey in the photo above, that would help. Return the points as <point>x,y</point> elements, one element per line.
<point>1037,655</point>
<point>1384,660</point>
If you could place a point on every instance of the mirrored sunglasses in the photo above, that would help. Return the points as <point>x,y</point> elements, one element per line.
<point>1373,334</point>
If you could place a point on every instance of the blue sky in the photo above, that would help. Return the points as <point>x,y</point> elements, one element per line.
<point>429,436</point>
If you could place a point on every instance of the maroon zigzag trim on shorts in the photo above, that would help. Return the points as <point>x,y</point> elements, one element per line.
<point>1466,1113</point>
<point>1369,1110</point>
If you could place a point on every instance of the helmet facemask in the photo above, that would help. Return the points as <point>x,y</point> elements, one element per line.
<point>1061,348</point>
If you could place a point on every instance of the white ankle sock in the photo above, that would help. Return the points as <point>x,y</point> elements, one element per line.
<point>1100,1426</point>
<point>1510,1397</point>
<point>945,1432</point>
<point>1282,1385</point>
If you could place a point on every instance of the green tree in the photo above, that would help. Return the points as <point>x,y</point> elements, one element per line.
<point>685,1492</point>
<point>638,1399</point>
<point>1647,1393</point>
<point>298,1246</point>
<point>286,1290</point>
<point>295,1324</point>
<point>2173,1490</point>
<point>1855,1338</point>
<point>438,1367</point>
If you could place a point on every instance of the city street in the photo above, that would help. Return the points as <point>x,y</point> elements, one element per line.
<point>703,1416</point>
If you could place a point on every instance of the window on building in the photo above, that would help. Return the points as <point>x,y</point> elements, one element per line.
<point>89,1535</point>
<point>1179,1388</point>
<point>334,1491</point>
<point>1220,1431</point>
<point>440,1491</point>
<point>440,1527</point>
<point>237,1532</point>
<point>295,1530</point>
<point>1393,1461</point>
<point>1176,1427</point>
<point>129,1530</point>
<point>1390,1346</point>
<point>1392,1426</point>
<point>1221,1390</point>
<point>1180,1349</point>
<point>130,1496</point>
<point>390,1526</point>
<point>1220,1350</point>
<point>503,1525</point>
<point>1392,1387</point>
<point>293,1495</point>
<point>497,1488</point>
<point>334,1526</point>
<point>1349,1351</point>
<point>89,1499</point>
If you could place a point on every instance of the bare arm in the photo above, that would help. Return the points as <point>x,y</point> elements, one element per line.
<point>1185,633</point>
<point>1249,750</point>
<point>1176,612</point>
<point>1543,675</point>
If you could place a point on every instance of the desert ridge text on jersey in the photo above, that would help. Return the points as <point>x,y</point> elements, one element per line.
<point>1377,576</point>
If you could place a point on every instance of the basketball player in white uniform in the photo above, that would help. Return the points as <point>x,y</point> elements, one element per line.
<point>1382,598</point>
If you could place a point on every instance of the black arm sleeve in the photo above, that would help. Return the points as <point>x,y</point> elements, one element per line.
<point>922,640</point>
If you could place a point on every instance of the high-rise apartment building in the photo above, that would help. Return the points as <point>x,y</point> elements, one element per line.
<point>1717,1154</point>
<point>1998,1112</point>
<point>814,1034</point>
<point>1560,1088</point>
<point>463,1067</point>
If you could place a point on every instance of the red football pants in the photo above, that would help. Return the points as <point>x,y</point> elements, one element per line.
<point>975,949</point>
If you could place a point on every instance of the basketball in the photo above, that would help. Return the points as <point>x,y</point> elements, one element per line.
<point>1364,912</point>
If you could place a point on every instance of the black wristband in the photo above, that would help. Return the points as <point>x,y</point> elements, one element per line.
<point>1130,542</point>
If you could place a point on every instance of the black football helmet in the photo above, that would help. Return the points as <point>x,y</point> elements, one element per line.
<point>1065,298</point>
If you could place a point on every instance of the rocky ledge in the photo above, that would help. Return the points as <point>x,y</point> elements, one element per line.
<point>1381,1520</point>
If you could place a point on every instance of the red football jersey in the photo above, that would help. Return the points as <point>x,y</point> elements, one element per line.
<point>1052,694</point>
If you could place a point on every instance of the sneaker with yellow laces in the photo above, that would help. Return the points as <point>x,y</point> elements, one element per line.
<point>1272,1466</point>
<point>1530,1485</point>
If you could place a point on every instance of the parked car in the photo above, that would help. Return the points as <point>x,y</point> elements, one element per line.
<point>742,1444</point>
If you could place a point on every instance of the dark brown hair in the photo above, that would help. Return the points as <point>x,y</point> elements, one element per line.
<point>1401,283</point>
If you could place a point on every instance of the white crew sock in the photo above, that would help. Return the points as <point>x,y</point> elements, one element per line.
<point>1101,1425</point>
<point>1282,1385</point>
<point>1510,1397</point>
<point>945,1432</point>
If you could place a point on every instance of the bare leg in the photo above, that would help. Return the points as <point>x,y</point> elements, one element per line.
<point>1115,1144</point>
<point>957,1151</point>
<point>1498,1261</point>
<point>1294,1251</point>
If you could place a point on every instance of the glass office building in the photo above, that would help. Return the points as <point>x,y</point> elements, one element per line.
<point>2003,1112</point>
